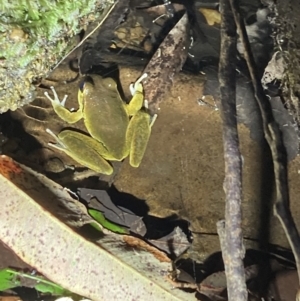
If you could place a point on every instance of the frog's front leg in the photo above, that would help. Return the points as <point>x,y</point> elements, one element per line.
<point>137,136</point>
<point>61,111</point>
<point>83,149</point>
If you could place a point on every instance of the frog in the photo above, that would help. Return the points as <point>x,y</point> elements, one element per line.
<point>116,129</point>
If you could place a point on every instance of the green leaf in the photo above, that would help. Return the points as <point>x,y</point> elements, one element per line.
<point>100,218</point>
<point>8,280</point>
<point>52,288</point>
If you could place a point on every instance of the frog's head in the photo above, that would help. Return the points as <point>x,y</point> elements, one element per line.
<point>96,84</point>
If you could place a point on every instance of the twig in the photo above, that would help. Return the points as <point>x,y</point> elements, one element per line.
<point>274,139</point>
<point>231,232</point>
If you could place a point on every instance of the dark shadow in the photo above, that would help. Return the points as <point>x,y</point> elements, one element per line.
<point>156,227</point>
<point>126,200</point>
<point>26,293</point>
<point>191,270</point>
<point>266,204</point>
<point>13,129</point>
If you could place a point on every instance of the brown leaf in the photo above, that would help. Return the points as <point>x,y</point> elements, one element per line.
<point>166,62</point>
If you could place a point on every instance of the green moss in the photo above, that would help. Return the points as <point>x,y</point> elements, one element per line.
<point>34,35</point>
<point>45,18</point>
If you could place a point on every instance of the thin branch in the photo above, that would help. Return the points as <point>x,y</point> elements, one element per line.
<point>231,237</point>
<point>106,13</point>
<point>274,139</point>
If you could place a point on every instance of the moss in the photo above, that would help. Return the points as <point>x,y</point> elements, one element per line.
<point>34,35</point>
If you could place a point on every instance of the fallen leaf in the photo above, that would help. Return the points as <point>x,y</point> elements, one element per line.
<point>175,243</point>
<point>47,193</point>
<point>100,218</point>
<point>100,272</point>
<point>10,278</point>
<point>115,214</point>
<point>166,62</point>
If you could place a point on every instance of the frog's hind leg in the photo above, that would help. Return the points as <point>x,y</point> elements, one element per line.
<point>137,136</point>
<point>83,149</point>
<point>137,92</point>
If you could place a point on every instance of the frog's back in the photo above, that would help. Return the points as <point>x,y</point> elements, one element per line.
<point>106,120</point>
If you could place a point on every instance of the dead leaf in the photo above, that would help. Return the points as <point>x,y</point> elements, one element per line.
<point>106,272</point>
<point>175,243</point>
<point>118,215</point>
<point>166,62</point>
<point>51,196</point>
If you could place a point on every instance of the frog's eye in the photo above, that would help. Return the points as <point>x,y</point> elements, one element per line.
<point>85,83</point>
<point>81,85</point>
<point>109,83</point>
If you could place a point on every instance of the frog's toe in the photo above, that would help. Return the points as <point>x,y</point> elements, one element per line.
<point>143,76</point>
<point>131,89</point>
<point>153,119</point>
<point>137,86</point>
<point>146,104</point>
<point>51,133</point>
<point>59,145</point>
<point>55,100</point>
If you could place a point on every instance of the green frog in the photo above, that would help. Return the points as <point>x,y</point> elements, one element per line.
<point>116,129</point>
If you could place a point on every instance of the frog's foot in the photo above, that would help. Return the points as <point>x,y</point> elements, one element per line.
<point>137,86</point>
<point>137,101</point>
<point>146,104</point>
<point>58,145</point>
<point>153,118</point>
<point>55,100</point>
<point>67,115</point>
